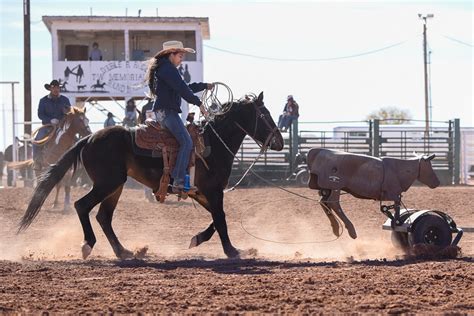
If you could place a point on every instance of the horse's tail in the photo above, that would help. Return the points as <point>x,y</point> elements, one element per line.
<point>18,165</point>
<point>48,180</point>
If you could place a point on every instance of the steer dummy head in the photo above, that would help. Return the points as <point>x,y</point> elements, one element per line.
<point>427,175</point>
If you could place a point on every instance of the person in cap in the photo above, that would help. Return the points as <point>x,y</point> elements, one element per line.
<point>51,110</point>
<point>290,114</point>
<point>168,87</point>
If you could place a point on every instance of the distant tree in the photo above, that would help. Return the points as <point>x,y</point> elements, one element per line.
<point>390,115</point>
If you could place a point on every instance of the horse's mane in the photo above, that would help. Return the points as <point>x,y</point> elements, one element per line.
<point>236,104</point>
<point>75,110</point>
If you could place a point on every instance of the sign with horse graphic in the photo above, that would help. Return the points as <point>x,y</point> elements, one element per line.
<point>112,78</point>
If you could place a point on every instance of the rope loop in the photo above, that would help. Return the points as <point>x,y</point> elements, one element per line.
<point>44,140</point>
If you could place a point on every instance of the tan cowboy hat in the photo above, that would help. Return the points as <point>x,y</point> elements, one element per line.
<point>174,47</point>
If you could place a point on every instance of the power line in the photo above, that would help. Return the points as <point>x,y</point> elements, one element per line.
<point>306,59</point>
<point>458,41</point>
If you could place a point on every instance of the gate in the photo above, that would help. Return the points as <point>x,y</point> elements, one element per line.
<point>368,138</point>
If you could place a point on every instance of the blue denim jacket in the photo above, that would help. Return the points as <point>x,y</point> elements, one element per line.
<point>52,108</point>
<point>170,88</point>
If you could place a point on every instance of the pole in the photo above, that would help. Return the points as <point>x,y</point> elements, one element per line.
<point>377,140</point>
<point>457,151</point>
<point>27,66</point>
<point>4,122</point>
<point>15,145</point>
<point>425,66</point>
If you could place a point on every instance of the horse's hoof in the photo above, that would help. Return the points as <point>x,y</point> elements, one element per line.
<point>232,253</point>
<point>194,242</point>
<point>140,253</point>
<point>86,250</point>
<point>352,232</point>
<point>126,254</point>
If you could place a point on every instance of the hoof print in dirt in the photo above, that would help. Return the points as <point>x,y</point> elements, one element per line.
<point>248,253</point>
<point>140,253</point>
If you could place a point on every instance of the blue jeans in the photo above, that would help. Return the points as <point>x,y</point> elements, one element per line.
<point>173,123</point>
<point>286,120</point>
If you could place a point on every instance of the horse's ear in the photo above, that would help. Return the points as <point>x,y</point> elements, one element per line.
<point>430,157</point>
<point>260,97</point>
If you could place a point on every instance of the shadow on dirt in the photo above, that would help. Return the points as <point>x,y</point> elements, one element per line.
<point>252,266</point>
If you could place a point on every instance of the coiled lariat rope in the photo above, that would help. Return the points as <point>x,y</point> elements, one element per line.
<point>211,102</point>
<point>44,140</point>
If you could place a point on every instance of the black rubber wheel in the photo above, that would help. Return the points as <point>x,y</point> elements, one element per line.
<point>400,240</point>
<point>302,178</point>
<point>431,229</point>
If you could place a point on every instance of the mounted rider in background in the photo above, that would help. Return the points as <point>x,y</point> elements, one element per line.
<point>167,85</point>
<point>51,110</point>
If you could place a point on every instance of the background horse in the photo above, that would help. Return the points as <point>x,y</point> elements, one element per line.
<point>108,158</point>
<point>74,123</point>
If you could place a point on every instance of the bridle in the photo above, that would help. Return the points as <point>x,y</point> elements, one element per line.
<point>263,147</point>
<point>260,115</point>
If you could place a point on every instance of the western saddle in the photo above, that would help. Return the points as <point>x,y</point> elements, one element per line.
<point>154,137</point>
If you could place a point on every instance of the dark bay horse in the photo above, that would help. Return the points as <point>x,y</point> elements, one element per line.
<point>108,158</point>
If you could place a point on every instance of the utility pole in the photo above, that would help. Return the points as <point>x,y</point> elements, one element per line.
<point>26,67</point>
<point>425,64</point>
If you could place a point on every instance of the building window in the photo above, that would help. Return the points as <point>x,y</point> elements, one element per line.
<point>75,45</point>
<point>145,44</point>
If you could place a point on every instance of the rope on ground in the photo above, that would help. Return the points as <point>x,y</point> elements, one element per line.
<point>284,242</point>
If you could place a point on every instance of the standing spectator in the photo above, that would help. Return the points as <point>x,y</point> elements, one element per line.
<point>290,113</point>
<point>130,118</point>
<point>51,110</point>
<point>96,53</point>
<point>110,120</point>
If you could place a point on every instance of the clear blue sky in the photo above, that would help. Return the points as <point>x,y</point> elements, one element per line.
<point>285,32</point>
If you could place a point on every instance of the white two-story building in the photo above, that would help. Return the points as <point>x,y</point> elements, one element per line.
<point>126,44</point>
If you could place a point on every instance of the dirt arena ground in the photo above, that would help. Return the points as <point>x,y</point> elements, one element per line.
<point>42,270</point>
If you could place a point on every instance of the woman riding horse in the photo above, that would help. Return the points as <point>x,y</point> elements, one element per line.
<point>108,157</point>
<point>168,87</point>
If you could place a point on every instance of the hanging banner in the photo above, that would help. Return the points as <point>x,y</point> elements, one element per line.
<point>112,78</point>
